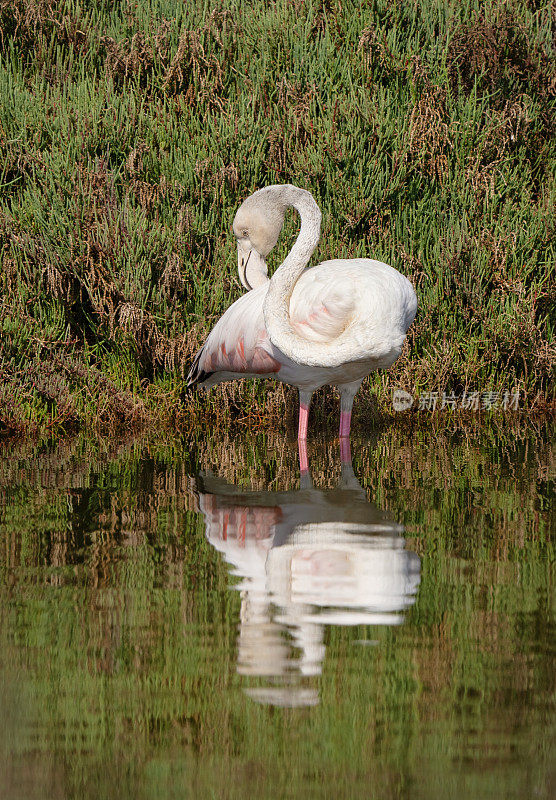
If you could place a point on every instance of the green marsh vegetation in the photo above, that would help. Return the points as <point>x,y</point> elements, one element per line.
<point>130,132</point>
<point>118,632</point>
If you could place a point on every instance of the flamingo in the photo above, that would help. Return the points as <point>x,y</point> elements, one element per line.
<point>333,323</point>
<point>306,558</point>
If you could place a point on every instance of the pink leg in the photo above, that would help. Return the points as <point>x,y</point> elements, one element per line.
<point>345,423</point>
<point>345,450</point>
<point>303,460</point>
<point>347,393</point>
<point>303,420</point>
<point>304,403</point>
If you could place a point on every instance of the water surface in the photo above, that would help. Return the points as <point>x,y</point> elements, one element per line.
<point>198,619</point>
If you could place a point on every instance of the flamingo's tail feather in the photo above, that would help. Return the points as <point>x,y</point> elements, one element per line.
<point>196,374</point>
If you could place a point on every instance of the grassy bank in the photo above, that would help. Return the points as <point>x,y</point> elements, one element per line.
<point>130,132</point>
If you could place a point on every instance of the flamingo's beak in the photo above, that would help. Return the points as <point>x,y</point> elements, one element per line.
<point>250,265</point>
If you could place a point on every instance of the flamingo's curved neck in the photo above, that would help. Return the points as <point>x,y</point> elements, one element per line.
<point>297,259</point>
<point>277,301</point>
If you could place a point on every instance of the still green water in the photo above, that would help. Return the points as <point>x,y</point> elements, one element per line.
<point>197,620</point>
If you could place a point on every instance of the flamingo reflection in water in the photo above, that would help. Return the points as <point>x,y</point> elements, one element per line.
<point>306,558</point>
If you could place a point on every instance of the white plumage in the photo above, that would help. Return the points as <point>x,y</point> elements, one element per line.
<point>334,323</point>
<point>306,559</point>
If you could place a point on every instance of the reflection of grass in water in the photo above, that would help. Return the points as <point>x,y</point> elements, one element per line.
<point>118,635</point>
<point>129,135</point>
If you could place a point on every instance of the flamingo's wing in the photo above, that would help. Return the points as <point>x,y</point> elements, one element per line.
<point>238,343</point>
<point>245,526</point>
<point>322,304</point>
<point>365,304</point>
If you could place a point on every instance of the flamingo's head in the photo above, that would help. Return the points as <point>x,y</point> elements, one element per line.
<point>257,226</point>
